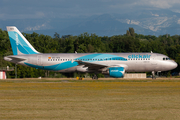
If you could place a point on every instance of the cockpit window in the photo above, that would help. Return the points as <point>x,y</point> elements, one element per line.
<point>166,59</point>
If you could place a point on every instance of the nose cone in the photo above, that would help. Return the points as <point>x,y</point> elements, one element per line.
<point>173,65</point>
<point>168,65</point>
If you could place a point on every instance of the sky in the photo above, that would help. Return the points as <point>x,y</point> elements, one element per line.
<point>35,9</point>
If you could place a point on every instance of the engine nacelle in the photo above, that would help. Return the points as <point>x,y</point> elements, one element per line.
<point>116,72</point>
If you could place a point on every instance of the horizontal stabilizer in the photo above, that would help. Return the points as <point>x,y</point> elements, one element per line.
<point>14,59</point>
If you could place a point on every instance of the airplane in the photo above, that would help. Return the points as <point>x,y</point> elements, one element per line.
<point>112,64</point>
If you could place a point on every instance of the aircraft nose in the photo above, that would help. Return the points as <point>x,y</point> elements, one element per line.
<point>173,65</point>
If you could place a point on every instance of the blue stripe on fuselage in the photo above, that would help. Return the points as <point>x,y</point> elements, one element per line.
<point>51,67</point>
<point>100,57</point>
<point>56,67</point>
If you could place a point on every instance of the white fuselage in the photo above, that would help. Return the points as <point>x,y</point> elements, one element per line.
<point>69,62</point>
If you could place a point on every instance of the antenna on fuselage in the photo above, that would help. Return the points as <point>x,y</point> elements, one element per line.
<point>75,52</point>
<point>151,52</point>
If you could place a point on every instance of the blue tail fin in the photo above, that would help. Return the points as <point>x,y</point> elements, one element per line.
<point>19,43</point>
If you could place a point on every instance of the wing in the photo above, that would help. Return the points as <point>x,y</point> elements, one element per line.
<point>98,66</point>
<point>92,65</point>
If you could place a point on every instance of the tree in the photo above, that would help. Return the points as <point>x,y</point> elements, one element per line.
<point>56,35</point>
<point>128,33</point>
<point>132,33</point>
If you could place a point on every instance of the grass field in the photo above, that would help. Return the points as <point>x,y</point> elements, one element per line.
<point>86,100</point>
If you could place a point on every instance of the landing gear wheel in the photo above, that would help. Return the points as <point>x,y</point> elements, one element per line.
<point>95,77</point>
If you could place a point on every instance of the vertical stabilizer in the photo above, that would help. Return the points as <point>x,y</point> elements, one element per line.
<point>19,43</point>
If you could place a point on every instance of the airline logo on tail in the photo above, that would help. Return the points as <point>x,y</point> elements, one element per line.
<point>17,40</point>
<point>19,43</point>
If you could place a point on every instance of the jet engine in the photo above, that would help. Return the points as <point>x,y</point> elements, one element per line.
<point>117,72</point>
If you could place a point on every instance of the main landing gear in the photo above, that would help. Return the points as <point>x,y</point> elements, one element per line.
<point>153,75</point>
<point>95,77</point>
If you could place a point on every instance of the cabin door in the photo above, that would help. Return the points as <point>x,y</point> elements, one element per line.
<point>154,64</point>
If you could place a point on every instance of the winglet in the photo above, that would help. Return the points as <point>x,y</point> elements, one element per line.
<point>19,43</point>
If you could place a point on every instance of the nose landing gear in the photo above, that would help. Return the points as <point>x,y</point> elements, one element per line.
<point>153,75</point>
<point>95,77</point>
